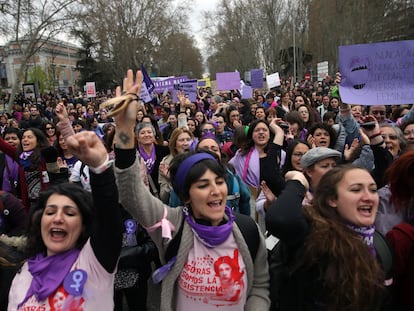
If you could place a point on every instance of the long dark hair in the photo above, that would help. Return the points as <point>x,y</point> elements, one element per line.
<point>287,166</point>
<point>42,142</point>
<point>249,143</point>
<point>84,202</point>
<point>352,277</point>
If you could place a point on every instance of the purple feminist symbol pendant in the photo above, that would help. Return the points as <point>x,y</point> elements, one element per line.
<point>75,281</point>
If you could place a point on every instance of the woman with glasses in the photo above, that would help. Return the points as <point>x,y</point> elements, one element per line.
<point>393,138</point>
<point>294,153</point>
<point>50,131</point>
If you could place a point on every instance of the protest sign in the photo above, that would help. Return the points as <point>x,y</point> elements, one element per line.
<point>256,78</point>
<point>204,82</point>
<point>162,84</point>
<point>246,91</point>
<point>378,73</point>
<point>273,80</point>
<point>322,70</point>
<point>228,81</point>
<point>90,89</point>
<point>189,88</point>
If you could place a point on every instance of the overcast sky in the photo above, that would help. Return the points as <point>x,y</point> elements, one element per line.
<point>196,18</point>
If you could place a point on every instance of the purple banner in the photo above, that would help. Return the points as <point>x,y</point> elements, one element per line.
<point>256,78</point>
<point>228,81</point>
<point>167,83</point>
<point>188,87</point>
<point>378,73</point>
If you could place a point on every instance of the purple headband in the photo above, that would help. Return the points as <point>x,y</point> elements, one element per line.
<point>187,164</point>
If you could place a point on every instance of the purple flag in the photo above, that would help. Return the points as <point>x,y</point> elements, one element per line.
<point>148,86</point>
<point>256,78</point>
<point>228,81</point>
<point>378,73</point>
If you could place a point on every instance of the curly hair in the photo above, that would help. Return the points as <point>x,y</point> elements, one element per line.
<point>352,277</point>
<point>42,143</point>
<point>328,128</point>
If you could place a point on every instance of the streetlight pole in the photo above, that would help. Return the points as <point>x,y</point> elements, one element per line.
<point>294,51</point>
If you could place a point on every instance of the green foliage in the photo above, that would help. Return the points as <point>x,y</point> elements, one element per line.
<point>44,77</point>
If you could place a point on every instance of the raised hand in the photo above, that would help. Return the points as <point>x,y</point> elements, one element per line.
<point>131,88</point>
<point>88,148</point>
<point>61,111</point>
<point>125,108</point>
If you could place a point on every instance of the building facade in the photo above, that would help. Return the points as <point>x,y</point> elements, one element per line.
<point>57,59</point>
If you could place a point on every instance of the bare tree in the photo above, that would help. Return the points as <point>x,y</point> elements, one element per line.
<point>129,32</point>
<point>33,23</point>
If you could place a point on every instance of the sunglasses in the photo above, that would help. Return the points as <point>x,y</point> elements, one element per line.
<point>49,128</point>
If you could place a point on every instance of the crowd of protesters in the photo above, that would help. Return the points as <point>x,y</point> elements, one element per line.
<point>320,175</point>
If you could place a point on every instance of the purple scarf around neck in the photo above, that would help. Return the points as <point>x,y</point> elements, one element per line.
<point>148,159</point>
<point>211,236</point>
<point>48,273</point>
<point>366,234</point>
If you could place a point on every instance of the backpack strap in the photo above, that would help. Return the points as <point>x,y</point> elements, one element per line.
<point>246,225</point>
<point>249,231</point>
<point>172,248</point>
<point>384,254</point>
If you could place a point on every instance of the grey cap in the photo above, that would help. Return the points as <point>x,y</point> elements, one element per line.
<point>318,154</point>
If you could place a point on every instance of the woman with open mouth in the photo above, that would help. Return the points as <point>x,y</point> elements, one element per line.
<point>38,167</point>
<point>192,238</point>
<point>259,159</point>
<point>332,243</point>
<point>74,240</point>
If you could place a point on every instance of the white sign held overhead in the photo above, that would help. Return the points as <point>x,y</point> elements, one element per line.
<point>273,80</point>
<point>90,89</point>
<point>323,70</point>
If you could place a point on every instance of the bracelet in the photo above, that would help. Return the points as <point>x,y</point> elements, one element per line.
<point>136,97</point>
<point>379,144</point>
<point>103,167</point>
<point>375,135</point>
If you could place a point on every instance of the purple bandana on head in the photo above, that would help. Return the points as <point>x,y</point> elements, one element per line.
<point>186,166</point>
<point>48,273</point>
